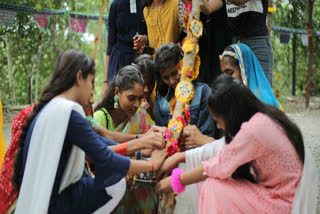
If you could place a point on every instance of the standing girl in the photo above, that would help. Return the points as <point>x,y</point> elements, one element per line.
<point>127,33</point>
<point>162,22</point>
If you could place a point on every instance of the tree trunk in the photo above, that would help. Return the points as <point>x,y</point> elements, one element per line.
<point>310,50</point>
<point>37,72</point>
<point>96,42</point>
<point>10,70</point>
<point>294,63</point>
<point>269,17</point>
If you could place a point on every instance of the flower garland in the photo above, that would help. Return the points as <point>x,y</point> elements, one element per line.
<point>188,67</point>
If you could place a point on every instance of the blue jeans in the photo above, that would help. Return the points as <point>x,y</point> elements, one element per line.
<point>262,48</point>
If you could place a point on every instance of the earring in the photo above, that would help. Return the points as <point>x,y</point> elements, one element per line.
<point>116,101</point>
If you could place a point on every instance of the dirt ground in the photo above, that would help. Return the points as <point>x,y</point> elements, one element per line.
<point>307,119</point>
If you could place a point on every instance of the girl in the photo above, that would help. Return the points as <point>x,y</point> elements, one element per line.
<point>50,159</point>
<point>167,76</point>
<point>126,34</point>
<point>260,168</point>
<point>239,62</point>
<point>145,65</point>
<point>119,111</point>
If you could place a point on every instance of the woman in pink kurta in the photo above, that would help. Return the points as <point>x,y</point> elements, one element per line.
<point>274,161</point>
<point>259,169</point>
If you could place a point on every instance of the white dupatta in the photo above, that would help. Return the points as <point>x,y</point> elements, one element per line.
<point>194,158</point>
<point>44,154</point>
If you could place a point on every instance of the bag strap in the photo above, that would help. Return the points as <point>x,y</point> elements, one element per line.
<point>106,115</point>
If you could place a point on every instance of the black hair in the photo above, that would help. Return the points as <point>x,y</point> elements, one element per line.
<point>231,100</point>
<point>233,61</point>
<point>63,78</point>
<point>167,55</point>
<point>125,80</point>
<point>147,3</point>
<point>145,64</point>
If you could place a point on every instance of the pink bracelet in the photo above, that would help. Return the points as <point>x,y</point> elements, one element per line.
<point>175,181</point>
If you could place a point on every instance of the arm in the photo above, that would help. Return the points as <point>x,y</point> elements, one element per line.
<point>105,85</point>
<point>205,122</point>
<point>151,141</point>
<point>238,2</point>
<point>210,6</point>
<point>157,158</point>
<point>170,163</point>
<point>80,134</point>
<point>193,176</point>
<point>193,137</point>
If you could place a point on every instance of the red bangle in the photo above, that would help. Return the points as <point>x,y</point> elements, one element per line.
<point>121,149</point>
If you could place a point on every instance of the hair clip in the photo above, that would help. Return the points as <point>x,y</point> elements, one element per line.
<point>228,53</point>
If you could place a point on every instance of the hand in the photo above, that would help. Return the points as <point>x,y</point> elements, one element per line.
<point>160,129</point>
<point>164,185</point>
<point>139,42</point>
<point>194,138</point>
<point>152,140</point>
<point>157,158</point>
<point>169,164</point>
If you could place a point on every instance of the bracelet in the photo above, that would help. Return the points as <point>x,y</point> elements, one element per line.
<point>175,181</point>
<point>137,136</point>
<point>152,165</point>
<point>106,81</point>
<point>121,149</point>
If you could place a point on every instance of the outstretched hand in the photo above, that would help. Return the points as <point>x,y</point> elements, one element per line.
<point>194,138</point>
<point>157,158</point>
<point>169,164</point>
<point>152,140</point>
<point>159,129</point>
<point>164,185</point>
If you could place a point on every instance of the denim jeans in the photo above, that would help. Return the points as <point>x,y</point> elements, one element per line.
<point>262,48</point>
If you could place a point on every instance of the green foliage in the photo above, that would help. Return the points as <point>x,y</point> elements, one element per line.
<point>25,38</point>
<point>290,14</point>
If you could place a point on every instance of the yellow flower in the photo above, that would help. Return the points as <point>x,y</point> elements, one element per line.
<point>188,45</point>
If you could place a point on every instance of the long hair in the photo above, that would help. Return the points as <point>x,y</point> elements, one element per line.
<point>236,104</point>
<point>167,55</point>
<point>63,78</point>
<point>125,80</point>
